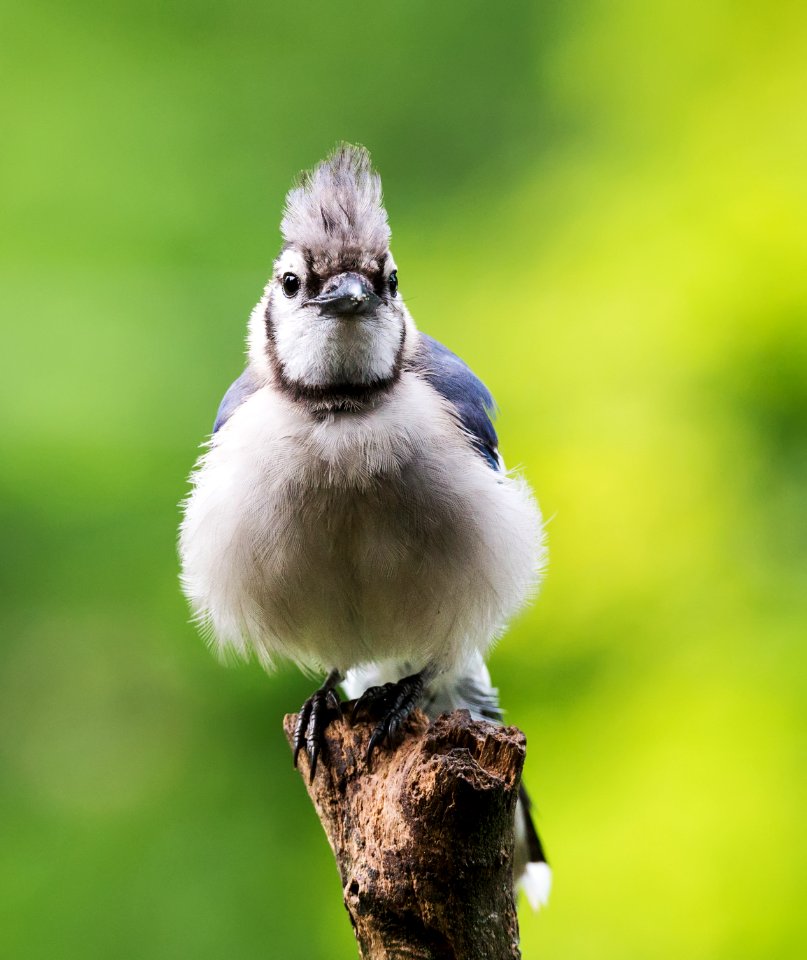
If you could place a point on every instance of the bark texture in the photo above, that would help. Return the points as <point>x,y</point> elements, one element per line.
<point>424,839</point>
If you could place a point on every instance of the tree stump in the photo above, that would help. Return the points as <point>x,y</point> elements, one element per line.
<point>424,838</point>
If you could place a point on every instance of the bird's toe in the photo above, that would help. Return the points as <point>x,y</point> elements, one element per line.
<point>393,702</point>
<point>316,713</point>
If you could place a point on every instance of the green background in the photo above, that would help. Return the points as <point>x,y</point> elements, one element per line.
<point>601,207</point>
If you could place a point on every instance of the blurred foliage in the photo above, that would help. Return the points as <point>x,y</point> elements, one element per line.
<point>601,207</point>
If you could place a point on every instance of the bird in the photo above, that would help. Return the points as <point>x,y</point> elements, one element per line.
<point>351,511</point>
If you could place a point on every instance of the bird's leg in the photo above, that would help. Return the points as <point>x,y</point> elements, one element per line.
<point>315,714</point>
<point>391,704</point>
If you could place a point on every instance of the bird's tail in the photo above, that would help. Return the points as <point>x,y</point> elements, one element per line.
<point>532,871</point>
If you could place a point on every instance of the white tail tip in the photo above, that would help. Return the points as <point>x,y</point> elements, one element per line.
<point>536,882</point>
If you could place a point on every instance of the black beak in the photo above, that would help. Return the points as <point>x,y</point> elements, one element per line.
<point>345,294</point>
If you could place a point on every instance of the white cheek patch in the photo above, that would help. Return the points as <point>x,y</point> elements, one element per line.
<point>322,351</point>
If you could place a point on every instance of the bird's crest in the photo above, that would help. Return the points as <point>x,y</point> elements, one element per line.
<point>337,208</point>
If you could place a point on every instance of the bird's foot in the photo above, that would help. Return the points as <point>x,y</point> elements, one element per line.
<point>316,713</point>
<point>391,705</point>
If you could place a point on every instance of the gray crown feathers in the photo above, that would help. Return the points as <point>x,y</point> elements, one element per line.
<point>338,207</point>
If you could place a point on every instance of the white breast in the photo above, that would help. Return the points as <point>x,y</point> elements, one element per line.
<point>357,538</point>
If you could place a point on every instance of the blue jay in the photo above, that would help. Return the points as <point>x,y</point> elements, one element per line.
<point>352,512</point>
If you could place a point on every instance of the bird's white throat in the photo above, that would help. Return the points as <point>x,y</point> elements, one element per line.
<point>323,351</point>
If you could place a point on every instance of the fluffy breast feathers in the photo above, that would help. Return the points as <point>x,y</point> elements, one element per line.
<point>356,537</point>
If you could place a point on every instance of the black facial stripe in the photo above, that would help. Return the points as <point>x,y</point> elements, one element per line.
<point>401,345</point>
<point>313,283</point>
<point>379,284</point>
<point>267,322</point>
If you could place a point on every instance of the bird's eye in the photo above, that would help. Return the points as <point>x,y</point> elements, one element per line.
<point>393,283</point>
<point>291,284</point>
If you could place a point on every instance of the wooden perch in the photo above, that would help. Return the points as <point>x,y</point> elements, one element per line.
<point>424,840</point>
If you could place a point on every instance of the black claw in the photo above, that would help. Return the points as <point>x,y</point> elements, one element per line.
<point>368,702</point>
<point>313,754</point>
<point>392,704</point>
<point>301,727</point>
<point>334,702</point>
<point>316,713</point>
<point>375,739</point>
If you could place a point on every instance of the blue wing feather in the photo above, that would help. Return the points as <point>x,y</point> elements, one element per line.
<point>453,379</point>
<point>238,392</point>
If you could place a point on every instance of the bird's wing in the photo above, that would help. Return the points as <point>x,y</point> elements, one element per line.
<point>238,392</point>
<point>454,380</point>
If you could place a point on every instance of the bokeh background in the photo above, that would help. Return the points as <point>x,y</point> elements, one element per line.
<point>601,206</point>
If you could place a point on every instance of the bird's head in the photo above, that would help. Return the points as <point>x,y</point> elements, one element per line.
<point>332,324</point>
